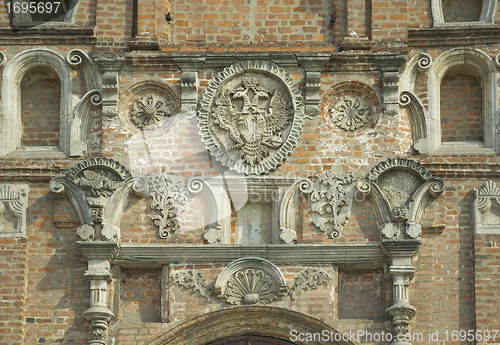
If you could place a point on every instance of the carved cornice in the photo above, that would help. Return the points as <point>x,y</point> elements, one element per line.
<point>430,37</point>
<point>346,253</point>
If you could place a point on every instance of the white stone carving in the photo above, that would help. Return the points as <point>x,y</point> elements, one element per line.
<point>399,189</point>
<point>3,59</point>
<point>111,65</point>
<point>288,209</point>
<point>13,203</point>
<point>350,112</point>
<point>168,195</point>
<point>213,235</point>
<point>250,281</point>
<point>192,280</point>
<point>390,65</point>
<point>98,188</point>
<point>486,206</point>
<point>330,202</point>
<point>309,279</point>
<point>148,110</point>
<point>251,116</point>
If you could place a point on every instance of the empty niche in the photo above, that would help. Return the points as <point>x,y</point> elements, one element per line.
<point>361,295</point>
<point>462,10</point>
<point>40,108</point>
<point>140,295</point>
<point>461,106</point>
<point>257,221</point>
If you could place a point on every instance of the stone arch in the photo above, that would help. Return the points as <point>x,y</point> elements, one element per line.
<point>14,71</point>
<point>259,320</point>
<point>482,65</point>
<point>487,16</point>
<point>72,116</point>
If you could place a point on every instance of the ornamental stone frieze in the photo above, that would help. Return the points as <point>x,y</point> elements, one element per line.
<point>309,279</point>
<point>250,281</point>
<point>192,280</point>
<point>13,204</point>
<point>251,116</point>
<point>168,194</point>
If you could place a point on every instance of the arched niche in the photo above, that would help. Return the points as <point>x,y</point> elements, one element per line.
<point>259,320</point>
<point>487,16</point>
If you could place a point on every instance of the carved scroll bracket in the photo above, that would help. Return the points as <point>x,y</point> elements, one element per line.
<point>111,65</point>
<point>390,65</point>
<point>313,66</point>
<point>189,65</point>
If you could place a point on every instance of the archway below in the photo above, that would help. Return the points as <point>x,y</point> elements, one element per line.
<point>251,340</point>
<point>266,322</point>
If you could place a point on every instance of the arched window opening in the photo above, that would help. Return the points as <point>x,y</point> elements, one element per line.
<point>40,108</point>
<point>462,10</point>
<point>461,107</point>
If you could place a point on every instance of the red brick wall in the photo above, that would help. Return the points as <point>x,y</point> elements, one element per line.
<point>486,278</point>
<point>462,10</point>
<point>461,118</point>
<point>243,22</point>
<point>40,108</point>
<point>13,268</point>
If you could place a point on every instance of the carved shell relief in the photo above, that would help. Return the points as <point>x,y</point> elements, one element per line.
<point>251,116</point>
<point>250,281</point>
<point>149,110</point>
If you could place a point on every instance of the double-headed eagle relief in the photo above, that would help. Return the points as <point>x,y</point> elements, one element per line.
<point>251,116</point>
<point>254,118</point>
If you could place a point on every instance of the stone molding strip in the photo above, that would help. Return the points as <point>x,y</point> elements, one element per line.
<point>278,254</point>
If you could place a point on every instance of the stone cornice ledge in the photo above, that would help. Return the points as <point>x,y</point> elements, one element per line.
<point>453,36</point>
<point>346,253</point>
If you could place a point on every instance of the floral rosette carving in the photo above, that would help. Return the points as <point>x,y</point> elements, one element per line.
<point>350,113</point>
<point>350,106</point>
<point>148,110</point>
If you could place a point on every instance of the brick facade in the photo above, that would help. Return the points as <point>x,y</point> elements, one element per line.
<point>375,209</point>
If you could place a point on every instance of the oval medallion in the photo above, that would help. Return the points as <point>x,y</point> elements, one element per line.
<point>251,116</point>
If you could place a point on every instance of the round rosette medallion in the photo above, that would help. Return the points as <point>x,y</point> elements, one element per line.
<point>251,116</point>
